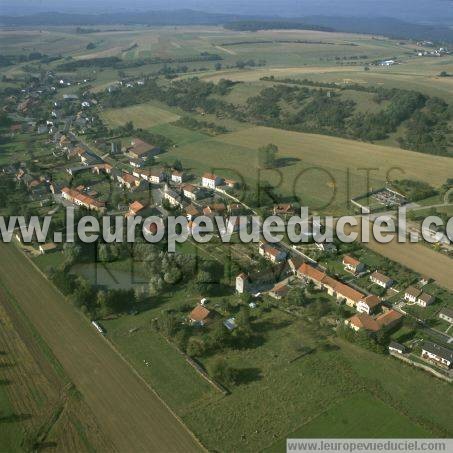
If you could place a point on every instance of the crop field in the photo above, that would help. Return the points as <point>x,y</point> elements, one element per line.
<point>324,172</point>
<point>143,116</point>
<point>127,411</point>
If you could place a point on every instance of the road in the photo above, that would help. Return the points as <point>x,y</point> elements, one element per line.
<point>127,410</point>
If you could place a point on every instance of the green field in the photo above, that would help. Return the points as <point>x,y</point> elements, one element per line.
<point>143,116</point>
<point>324,172</point>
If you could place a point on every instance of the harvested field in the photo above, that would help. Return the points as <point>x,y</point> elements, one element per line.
<point>127,411</point>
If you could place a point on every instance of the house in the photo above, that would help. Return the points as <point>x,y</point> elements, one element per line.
<point>411,294</point>
<point>200,316</point>
<point>284,209</point>
<point>135,208</point>
<point>280,290</point>
<point>129,181</point>
<point>342,292</point>
<point>191,212</point>
<point>353,265</point>
<point>363,321</point>
<point>190,191</point>
<point>211,181</point>
<point>215,209</point>
<point>309,273</point>
<point>154,176</point>
<point>231,183</point>
<point>425,299</point>
<point>271,253</point>
<point>326,247</point>
<point>242,283</point>
<point>397,348</point>
<point>136,163</point>
<point>80,199</point>
<point>177,177</point>
<point>45,248</point>
<point>439,355</point>
<point>446,314</point>
<point>139,149</point>
<point>381,280</point>
<point>172,197</point>
<point>368,304</point>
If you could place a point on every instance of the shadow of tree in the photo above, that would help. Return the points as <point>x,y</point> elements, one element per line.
<point>247,375</point>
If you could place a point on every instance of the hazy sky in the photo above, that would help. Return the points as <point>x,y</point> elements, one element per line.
<point>411,10</point>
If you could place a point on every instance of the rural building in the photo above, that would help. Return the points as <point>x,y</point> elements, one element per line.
<point>154,176</point>
<point>279,290</point>
<point>172,197</point>
<point>192,211</point>
<point>326,247</point>
<point>211,181</point>
<point>136,163</point>
<point>190,191</point>
<point>129,181</point>
<point>363,321</point>
<point>353,265</point>
<point>439,355</point>
<point>139,149</point>
<point>309,273</point>
<point>135,208</point>
<point>425,299</point>
<point>368,304</point>
<point>446,314</point>
<point>82,200</point>
<point>283,210</point>
<point>271,253</point>
<point>200,316</point>
<point>46,248</point>
<point>242,283</point>
<point>381,280</point>
<point>411,294</point>
<point>177,177</point>
<point>397,347</point>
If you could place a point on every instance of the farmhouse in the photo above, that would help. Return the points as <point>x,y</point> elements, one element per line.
<point>211,181</point>
<point>136,163</point>
<point>341,291</point>
<point>242,282</point>
<point>172,197</point>
<point>411,294</point>
<point>309,273</point>
<point>129,181</point>
<point>397,347</point>
<point>280,290</point>
<point>177,177</point>
<point>352,264</point>
<point>446,314</point>
<point>45,248</point>
<point>142,150</point>
<point>439,355</point>
<point>190,191</point>
<point>363,321</point>
<point>192,211</point>
<point>283,210</point>
<point>368,304</point>
<point>135,208</point>
<point>381,280</point>
<point>425,299</point>
<point>200,316</point>
<point>273,254</point>
<point>154,176</point>
<point>82,200</point>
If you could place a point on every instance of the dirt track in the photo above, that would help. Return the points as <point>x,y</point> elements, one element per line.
<point>127,411</point>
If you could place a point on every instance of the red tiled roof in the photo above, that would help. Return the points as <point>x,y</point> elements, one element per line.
<point>199,313</point>
<point>311,272</point>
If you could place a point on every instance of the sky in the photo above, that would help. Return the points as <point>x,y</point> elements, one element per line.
<point>422,11</point>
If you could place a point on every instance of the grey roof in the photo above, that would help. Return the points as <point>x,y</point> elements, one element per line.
<point>440,351</point>
<point>395,345</point>
<point>447,312</point>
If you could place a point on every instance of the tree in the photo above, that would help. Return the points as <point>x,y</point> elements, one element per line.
<point>72,252</point>
<point>267,155</point>
<point>196,347</point>
<point>222,372</point>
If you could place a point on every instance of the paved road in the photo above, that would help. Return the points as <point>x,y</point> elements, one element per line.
<point>128,412</point>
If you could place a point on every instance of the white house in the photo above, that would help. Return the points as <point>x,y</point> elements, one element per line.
<point>381,280</point>
<point>411,294</point>
<point>368,304</point>
<point>438,354</point>
<point>397,347</point>
<point>190,191</point>
<point>425,299</point>
<point>273,254</point>
<point>242,281</point>
<point>353,265</point>
<point>177,177</point>
<point>211,181</point>
<point>446,314</point>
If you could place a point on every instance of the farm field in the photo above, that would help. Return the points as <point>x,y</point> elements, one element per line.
<point>324,172</point>
<point>336,390</point>
<point>127,411</point>
<point>143,116</point>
